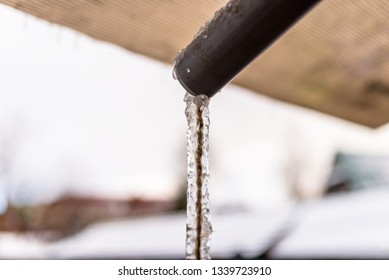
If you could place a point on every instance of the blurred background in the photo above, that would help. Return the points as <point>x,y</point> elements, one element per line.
<point>93,161</point>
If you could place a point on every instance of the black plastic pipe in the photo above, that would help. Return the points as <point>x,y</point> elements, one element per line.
<point>237,34</point>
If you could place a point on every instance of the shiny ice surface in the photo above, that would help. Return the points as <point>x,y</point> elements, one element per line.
<point>198,224</point>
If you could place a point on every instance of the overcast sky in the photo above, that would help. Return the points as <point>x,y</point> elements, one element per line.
<point>79,115</point>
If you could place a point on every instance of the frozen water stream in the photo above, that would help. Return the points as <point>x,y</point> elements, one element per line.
<point>198,224</point>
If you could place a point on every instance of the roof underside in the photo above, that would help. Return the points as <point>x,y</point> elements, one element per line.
<point>335,60</point>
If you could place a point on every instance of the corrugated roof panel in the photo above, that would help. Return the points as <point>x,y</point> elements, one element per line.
<point>335,60</point>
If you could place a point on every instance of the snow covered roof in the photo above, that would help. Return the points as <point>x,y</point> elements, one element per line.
<point>341,226</point>
<point>349,225</point>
